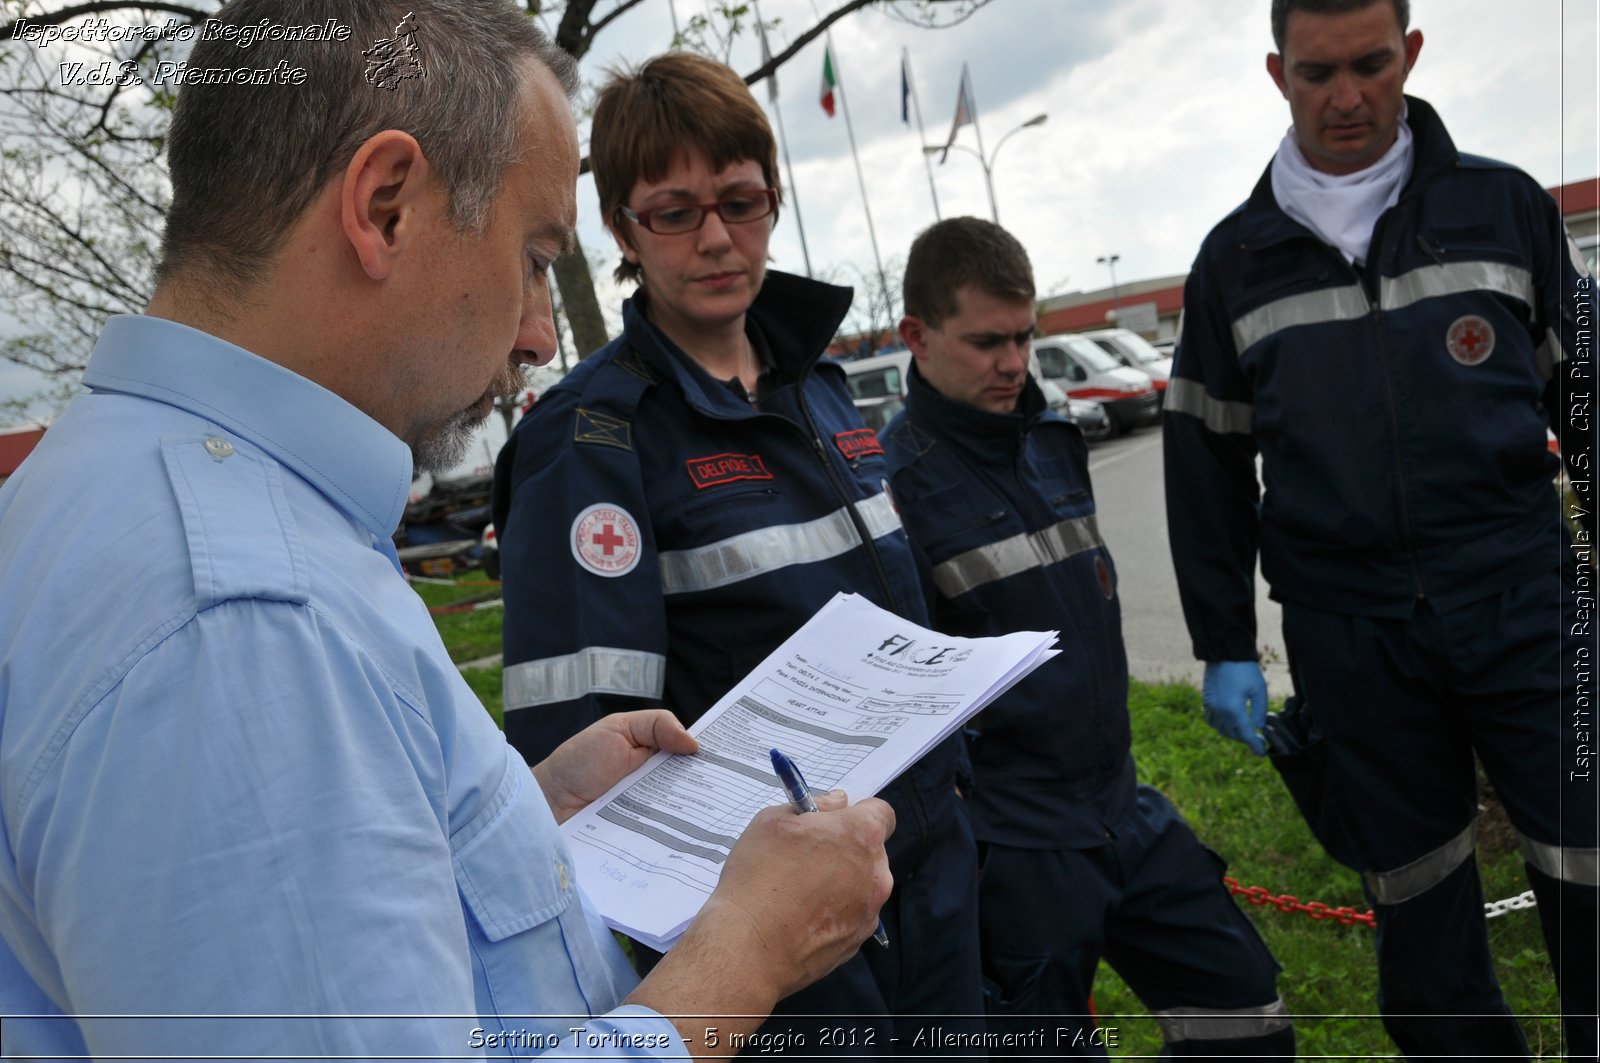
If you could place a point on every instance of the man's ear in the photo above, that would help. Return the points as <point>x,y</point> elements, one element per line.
<point>1413,49</point>
<point>385,184</point>
<point>1275,69</point>
<point>914,334</point>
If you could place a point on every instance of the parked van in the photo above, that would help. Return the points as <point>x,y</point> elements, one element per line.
<point>1085,371</point>
<point>878,386</point>
<point>1133,351</point>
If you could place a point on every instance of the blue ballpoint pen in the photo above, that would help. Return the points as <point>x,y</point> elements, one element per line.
<point>800,799</point>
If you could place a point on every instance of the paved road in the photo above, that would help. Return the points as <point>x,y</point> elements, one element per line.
<point>1133,520</point>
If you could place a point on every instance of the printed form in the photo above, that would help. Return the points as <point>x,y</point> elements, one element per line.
<point>854,697</point>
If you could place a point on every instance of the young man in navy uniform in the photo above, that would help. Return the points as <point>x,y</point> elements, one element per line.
<point>1078,860</point>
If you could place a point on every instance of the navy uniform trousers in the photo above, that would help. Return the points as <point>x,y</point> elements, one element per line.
<point>1150,901</point>
<point>1391,790</point>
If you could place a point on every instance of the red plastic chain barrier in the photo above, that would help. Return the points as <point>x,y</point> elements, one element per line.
<point>439,610</point>
<point>1315,910</point>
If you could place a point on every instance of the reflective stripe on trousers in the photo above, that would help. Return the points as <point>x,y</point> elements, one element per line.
<point>1563,863</point>
<point>1218,1024</point>
<point>1423,873</point>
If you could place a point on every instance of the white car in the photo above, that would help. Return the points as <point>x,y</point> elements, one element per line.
<point>1084,371</point>
<point>1133,351</point>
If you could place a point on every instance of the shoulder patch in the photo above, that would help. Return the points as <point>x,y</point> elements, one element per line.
<point>592,426</point>
<point>908,434</point>
<point>631,361</point>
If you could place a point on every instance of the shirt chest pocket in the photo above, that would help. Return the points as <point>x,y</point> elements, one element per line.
<point>687,514</point>
<point>517,887</point>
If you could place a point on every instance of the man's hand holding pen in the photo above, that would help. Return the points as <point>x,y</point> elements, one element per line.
<point>797,897</point>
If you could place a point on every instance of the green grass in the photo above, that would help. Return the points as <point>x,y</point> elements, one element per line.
<point>469,636</point>
<point>1237,805</point>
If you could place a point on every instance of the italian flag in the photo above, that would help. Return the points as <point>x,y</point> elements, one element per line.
<point>828,81</point>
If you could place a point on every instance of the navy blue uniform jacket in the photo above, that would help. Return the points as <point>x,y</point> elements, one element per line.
<point>659,536</point>
<point>1399,406</point>
<point>1001,508</point>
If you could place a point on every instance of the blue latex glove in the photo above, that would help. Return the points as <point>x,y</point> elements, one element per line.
<point>1235,696</point>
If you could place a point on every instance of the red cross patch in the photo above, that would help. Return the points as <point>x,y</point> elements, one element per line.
<point>1102,575</point>
<point>605,540</point>
<point>1470,339</point>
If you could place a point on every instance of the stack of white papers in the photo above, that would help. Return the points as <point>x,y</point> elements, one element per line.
<point>854,697</point>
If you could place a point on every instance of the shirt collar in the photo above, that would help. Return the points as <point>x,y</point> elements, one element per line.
<point>362,467</point>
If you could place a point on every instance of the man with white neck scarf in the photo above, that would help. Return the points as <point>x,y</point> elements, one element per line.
<point>1391,326</point>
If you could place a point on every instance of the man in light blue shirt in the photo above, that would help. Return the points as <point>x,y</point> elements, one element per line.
<point>247,804</point>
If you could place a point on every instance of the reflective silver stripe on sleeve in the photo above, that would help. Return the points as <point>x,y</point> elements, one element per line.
<point>1574,252</point>
<point>1311,308</point>
<point>592,670</point>
<point>1453,278</point>
<point>1549,354</point>
<point>1578,866</point>
<point>1217,1024</point>
<point>764,550</point>
<point>1421,875</point>
<point>985,564</point>
<point>1220,415</point>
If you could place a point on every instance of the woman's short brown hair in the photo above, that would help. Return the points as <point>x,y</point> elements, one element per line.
<point>648,118</point>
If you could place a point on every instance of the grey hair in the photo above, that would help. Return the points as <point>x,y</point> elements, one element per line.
<point>1281,9</point>
<point>246,160</point>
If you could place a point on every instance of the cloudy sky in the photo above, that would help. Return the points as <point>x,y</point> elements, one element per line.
<point>1161,118</point>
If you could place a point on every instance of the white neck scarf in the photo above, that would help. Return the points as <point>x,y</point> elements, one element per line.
<point>1341,209</point>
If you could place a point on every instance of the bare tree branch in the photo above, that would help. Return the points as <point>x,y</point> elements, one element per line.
<point>625,5</point>
<point>767,69</point>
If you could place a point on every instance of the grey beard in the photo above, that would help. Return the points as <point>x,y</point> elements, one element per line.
<point>444,449</point>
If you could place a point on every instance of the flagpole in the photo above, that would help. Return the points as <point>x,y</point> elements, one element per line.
<point>922,134</point>
<point>844,103</point>
<point>783,140</point>
<point>972,101</point>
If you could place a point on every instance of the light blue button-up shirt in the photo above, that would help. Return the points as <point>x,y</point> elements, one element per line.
<point>239,776</point>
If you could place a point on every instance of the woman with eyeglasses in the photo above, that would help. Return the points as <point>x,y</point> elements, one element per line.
<point>693,492</point>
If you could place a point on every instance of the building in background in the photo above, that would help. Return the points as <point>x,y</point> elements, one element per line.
<point>15,445</point>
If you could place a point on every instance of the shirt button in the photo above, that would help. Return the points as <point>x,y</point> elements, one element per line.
<point>561,876</point>
<point>218,447</point>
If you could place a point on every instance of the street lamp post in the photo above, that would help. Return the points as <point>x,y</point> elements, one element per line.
<point>988,164</point>
<point>1110,263</point>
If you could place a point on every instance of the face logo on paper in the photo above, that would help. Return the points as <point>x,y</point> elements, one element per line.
<point>858,443</point>
<point>1470,340</point>
<point>1102,573</point>
<point>605,540</point>
<point>726,469</point>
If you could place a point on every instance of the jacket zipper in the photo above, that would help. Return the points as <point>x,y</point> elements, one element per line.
<point>844,495</point>
<point>1394,412</point>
